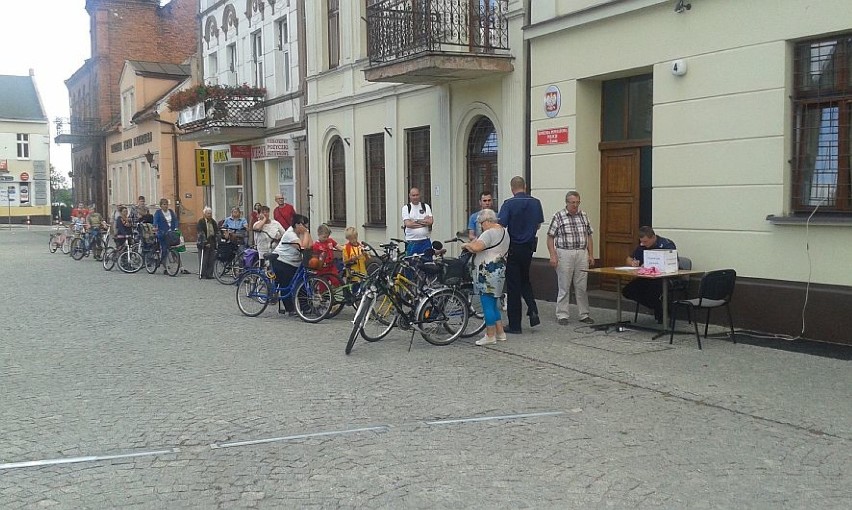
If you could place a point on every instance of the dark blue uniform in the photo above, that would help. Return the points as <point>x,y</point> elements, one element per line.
<point>648,292</point>
<point>521,215</point>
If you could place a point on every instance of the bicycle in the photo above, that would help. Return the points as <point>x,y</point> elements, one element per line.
<point>229,260</point>
<point>257,288</point>
<point>89,242</point>
<point>58,237</point>
<point>456,274</point>
<point>438,314</point>
<point>127,256</point>
<point>152,261</point>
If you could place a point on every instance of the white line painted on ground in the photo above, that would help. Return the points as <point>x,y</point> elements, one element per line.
<point>491,418</point>
<point>91,458</point>
<point>380,428</point>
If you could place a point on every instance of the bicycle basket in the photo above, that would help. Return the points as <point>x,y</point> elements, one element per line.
<point>455,271</point>
<point>226,251</point>
<point>310,260</point>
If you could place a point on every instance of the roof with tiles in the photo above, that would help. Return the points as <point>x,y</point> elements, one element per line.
<point>19,99</point>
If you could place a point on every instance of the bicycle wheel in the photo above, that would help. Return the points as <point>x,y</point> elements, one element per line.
<point>226,273</point>
<point>78,251</point>
<point>130,261</point>
<point>52,243</point>
<point>475,317</point>
<point>172,263</point>
<point>109,258</point>
<point>361,313</point>
<point>381,319</point>
<point>254,292</point>
<point>442,316</point>
<point>313,298</point>
<point>338,301</point>
<point>152,261</point>
<point>66,244</point>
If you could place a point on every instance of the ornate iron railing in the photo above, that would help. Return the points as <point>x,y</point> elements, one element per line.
<point>233,111</point>
<point>397,29</point>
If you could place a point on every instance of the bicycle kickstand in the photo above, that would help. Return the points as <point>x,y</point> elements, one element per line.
<point>411,342</point>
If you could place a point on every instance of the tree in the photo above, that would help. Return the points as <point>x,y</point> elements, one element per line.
<point>60,193</point>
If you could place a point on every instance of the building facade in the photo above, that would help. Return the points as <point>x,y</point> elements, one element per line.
<point>724,124</point>
<point>408,94</point>
<point>24,152</point>
<point>144,155</point>
<point>249,109</point>
<point>120,30</point>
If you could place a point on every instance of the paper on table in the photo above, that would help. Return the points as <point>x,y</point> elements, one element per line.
<point>626,268</point>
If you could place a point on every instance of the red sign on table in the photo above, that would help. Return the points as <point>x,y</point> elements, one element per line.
<point>552,136</point>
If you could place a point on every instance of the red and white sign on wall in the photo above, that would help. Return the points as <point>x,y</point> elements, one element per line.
<point>25,176</point>
<point>552,136</point>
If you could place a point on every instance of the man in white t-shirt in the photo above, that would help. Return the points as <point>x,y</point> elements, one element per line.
<point>417,222</point>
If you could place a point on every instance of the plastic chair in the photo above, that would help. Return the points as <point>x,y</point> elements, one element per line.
<point>675,284</point>
<point>716,290</point>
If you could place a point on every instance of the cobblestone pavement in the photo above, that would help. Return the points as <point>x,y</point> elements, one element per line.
<point>204,408</point>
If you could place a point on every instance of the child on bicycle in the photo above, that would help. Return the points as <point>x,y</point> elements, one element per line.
<point>324,248</point>
<point>354,258</point>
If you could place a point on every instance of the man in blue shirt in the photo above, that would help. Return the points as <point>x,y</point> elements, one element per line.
<point>522,216</point>
<point>474,229</point>
<point>235,227</point>
<point>647,292</point>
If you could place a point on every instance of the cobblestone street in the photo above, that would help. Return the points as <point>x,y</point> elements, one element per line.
<point>196,406</point>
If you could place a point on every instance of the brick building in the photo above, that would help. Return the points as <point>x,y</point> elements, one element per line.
<point>120,30</point>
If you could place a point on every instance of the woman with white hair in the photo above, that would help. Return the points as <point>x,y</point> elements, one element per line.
<point>208,234</point>
<point>489,272</point>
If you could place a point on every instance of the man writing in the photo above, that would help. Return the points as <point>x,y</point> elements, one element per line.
<point>284,212</point>
<point>417,222</point>
<point>644,291</point>
<point>522,216</point>
<point>569,241</point>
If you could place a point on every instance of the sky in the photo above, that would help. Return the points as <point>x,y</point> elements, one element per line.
<point>52,38</point>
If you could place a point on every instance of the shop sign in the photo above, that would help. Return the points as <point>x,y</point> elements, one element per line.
<point>241,151</point>
<point>258,151</point>
<point>25,194</point>
<point>220,156</point>
<point>25,176</point>
<point>277,147</point>
<point>4,165</point>
<point>552,101</point>
<point>202,167</point>
<point>552,136</point>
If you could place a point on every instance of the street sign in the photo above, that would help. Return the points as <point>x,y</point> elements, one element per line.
<point>25,176</point>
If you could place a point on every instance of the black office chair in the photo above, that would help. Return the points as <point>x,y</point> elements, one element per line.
<point>676,285</point>
<point>716,289</point>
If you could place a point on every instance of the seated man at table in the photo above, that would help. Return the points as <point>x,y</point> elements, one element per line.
<point>644,291</point>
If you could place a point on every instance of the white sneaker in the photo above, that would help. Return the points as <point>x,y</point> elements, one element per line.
<point>501,338</point>
<point>486,340</point>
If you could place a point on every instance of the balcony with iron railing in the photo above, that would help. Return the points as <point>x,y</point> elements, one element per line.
<point>436,41</point>
<point>77,130</point>
<point>214,113</point>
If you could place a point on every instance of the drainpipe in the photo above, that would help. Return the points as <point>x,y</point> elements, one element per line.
<point>527,107</point>
<point>176,172</point>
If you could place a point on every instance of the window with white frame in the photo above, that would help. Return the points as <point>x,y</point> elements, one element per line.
<point>212,68</point>
<point>128,105</point>
<point>257,58</point>
<point>374,165</point>
<point>282,60</point>
<point>337,182</point>
<point>333,33</point>
<point>23,146</point>
<point>231,54</point>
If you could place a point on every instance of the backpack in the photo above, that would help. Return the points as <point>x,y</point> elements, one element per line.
<point>425,205</point>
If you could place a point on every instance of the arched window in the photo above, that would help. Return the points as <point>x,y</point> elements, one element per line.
<point>337,182</point>
<point>481,163</point>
